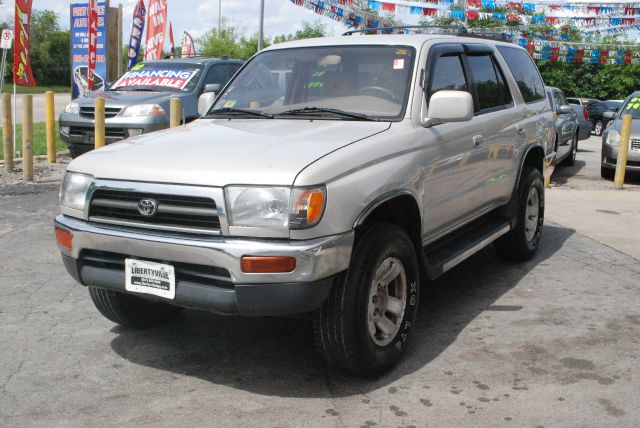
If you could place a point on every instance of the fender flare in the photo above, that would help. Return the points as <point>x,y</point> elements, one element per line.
<point>385,197</point>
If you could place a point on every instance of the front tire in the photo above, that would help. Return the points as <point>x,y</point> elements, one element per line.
<point>363,325</point>
<point>522,242</point>
<point>607,173</point>
<point>129,310</point>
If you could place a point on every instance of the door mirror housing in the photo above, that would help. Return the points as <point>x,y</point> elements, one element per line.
<point>609,114</point>
<point>211,87</point>
<point>448,106</point>
<point>205,101</point>
<point>565,109</point>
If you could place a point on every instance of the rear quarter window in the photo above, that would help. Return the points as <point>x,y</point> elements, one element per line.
<point>524,72</point>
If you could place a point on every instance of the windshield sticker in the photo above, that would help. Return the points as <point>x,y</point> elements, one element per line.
<point>402,52</point>
<point>137,67</point>
<point>229,104</point>
<point>633,104</point>
<point>172,79</point>
<point>398,63</point>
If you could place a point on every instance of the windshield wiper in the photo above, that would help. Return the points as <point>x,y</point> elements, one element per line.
<point>334,111</point>
<point>133,88</point>
<point>239,111</point>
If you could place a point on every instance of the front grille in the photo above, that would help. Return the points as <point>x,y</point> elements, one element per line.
<point>635,144</point>
<point>111,133</point>
<point>109,112</point>
<point>191,214</point>
<point>199,274</point>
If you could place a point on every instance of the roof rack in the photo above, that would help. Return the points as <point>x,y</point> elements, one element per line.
<point>202,56</point>
<point>456,29</point>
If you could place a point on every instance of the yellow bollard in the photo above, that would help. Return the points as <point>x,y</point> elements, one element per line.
<point>50,125</point>
<point>99,130</point>
<point>623,151</point>
<point>7,132</point>
<point>174,113</point>
<point>547,182</point>
<point>27,138</point>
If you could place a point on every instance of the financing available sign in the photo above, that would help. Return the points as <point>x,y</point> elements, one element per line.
<point>159,78</point>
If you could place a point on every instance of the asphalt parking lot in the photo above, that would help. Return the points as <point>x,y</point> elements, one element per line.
<point>551,342</point>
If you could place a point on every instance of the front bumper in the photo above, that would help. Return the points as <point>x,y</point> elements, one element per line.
<point>584,130</point>
<point>610,157</point>
<point>79,131</point>
<point>230,290</point>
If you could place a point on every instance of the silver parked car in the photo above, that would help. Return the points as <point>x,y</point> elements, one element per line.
<point>611,138</point>
<point>138,102</point>
<point>377,162</point>
<point>566,136</point>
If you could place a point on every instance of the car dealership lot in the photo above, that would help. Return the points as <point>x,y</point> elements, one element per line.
<point>551,342</point>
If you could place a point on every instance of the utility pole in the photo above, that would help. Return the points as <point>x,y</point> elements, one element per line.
<point>261,30</point>
<point>219,17</point>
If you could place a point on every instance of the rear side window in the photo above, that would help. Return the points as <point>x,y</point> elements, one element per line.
<point>525,72</point>
<point>448,74</point>
<point>491,88</point>
<point>220,73</point>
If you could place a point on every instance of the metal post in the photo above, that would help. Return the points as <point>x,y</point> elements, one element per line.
<point>219,17</point>
<point>50,126</point>
<point>27,137</point>
<point>174,112</point>
<point>14,118</point>
<point>4,62</point>
<point>99,123</point>
<point>7,132</point>
<point>623,151</point>
<point>261,31</point>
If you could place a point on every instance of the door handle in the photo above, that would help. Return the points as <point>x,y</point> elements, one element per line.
<point>520,130</point>
<point>478,141</point>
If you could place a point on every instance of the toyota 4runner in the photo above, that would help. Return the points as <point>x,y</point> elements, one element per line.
<point>330,177</point>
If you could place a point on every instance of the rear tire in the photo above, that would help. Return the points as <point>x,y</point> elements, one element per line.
<point>571,159</point>
<point>129,310</point>
<point>598,128</point>
<point>363,325</point>
<point>522,242</point>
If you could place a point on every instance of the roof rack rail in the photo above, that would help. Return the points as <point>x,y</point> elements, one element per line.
<point>458,29</point>
<point>204,56</point>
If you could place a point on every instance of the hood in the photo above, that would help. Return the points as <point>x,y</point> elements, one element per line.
<point>218,152</point>
<point>127,98</point>
<point>635,127</point>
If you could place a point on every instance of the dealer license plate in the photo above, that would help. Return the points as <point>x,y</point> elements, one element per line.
<point>150,278</point>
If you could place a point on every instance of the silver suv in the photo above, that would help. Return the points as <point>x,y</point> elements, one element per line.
<point>331,176</point>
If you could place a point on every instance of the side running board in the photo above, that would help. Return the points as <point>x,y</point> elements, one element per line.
<point>451,250</point>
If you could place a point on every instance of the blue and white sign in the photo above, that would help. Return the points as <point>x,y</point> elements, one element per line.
<point>80,49</point>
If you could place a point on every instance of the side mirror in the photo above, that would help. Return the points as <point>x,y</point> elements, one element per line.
<point>205,101</point>
<point>609,114</point>
<point>211,87</point>
<point>565,109</point>
<point>448,106</point>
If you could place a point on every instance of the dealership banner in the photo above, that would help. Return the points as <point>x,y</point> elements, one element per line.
<point>22,74</point>
<point>137,28</point>
<point>80,49</point>
<point>93,42</point>
<point>157,15</point>
<point>159,78</point>
<point>188,48</point>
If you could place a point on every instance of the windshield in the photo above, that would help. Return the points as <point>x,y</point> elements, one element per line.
<point>162,77</point>
<point>632,107</point>
<point>613,105</point>
<point>345,82</point>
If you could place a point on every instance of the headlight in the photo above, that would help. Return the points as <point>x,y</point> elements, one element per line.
<point>613,138</point>
<point>73,108</point>
<point>275,207</point>
<point>73,192</point>
<point>143,110</point>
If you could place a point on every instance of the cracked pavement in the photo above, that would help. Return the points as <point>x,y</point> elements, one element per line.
<point>550,342</point>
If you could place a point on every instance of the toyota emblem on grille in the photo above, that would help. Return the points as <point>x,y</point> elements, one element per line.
<point>147,207</point>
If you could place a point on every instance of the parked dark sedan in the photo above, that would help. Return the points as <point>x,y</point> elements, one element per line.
<point>611,138</point>
<point>596,111</point>
<point>138,102</point>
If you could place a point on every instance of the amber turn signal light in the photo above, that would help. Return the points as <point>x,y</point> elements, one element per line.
<point>267,264</point>
<point>64,238</point>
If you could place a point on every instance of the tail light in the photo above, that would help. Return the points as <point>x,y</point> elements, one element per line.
<point>585,113</point>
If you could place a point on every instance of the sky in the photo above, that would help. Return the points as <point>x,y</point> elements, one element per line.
<point>198,16</point>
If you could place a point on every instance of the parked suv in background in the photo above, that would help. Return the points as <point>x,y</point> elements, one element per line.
<point>138,102</point>
<point>378,162</point>
<point>581,101</point>
<point>611,138</point>
<point>566,137</point>
<point>596,114</point>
